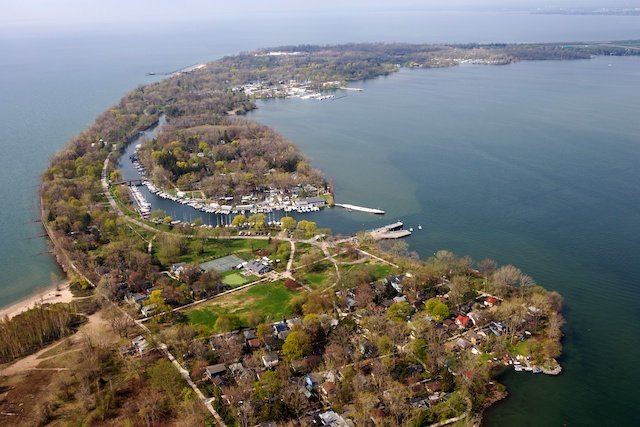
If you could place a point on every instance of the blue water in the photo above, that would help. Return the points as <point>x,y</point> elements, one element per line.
<point>533,164</point>
<point>560,203</point>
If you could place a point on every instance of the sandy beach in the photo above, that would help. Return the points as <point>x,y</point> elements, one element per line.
<point>44,296</point>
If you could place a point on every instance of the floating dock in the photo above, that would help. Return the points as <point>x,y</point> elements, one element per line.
<point>360,208</point>
<point>391,231</point>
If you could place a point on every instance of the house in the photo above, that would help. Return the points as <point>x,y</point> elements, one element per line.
<point>433,387</point>
<point>280,327</point>
<point>477,317</point>
<point>491,301</point>
<point>396,283</point>
<point>213,371</point>
<point>330,418</point>
<point>177,269</point>
<point>463,344</point>
<point>136,299</point>
<point>249,334</point>
<point>254,343</point>
<point>140,344</point>
<point>270,360</point>
<point>463,321</point>
<point>311,381</point>
<point>148,310</point>
<point>317,202</point>
<point>257,268</point>
<point>474,338</point>
<point>239,371</point>
<point>497,328</point>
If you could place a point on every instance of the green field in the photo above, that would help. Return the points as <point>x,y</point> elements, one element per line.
<point>218,248</point>
<point>270,300</point>
<point>235,279</point>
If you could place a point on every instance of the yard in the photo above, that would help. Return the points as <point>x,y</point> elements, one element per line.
<point>217,248</point>
<point>271,301</point>
<point>235,279</point>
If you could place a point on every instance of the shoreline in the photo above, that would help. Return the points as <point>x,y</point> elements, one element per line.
<point>47,295</point>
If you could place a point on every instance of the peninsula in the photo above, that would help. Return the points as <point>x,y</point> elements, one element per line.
<point>256,320</point>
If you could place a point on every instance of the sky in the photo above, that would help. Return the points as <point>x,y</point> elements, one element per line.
<point>65,13</point>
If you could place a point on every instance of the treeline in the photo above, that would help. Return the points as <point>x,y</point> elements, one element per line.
<point>35,328</point>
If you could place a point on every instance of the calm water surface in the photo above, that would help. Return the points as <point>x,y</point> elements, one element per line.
<point>533,164</point>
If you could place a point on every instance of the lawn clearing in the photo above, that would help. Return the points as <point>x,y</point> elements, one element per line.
<point>235,279</point>
<point>270,300</point>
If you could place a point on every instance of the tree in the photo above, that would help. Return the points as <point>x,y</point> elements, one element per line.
<point>505,278</point>
<point>399,311</point>
<point>164,376</point>
<point>258,221</point>
<point>267,386</point>
<point>306,228</point>
<point>263,331</point>
<point>238,220</point>
<point>227,322</point>
<point>297,345</point>
<point>288,223</point>
<point>157,298</point>
<point>459,286</point>
<point>364,295</point>
<point>437,309</point>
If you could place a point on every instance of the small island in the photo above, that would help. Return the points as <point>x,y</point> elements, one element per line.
<point>260,319</point>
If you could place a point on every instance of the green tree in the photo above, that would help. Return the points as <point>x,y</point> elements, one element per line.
<point>258,221</point>
<point>238,220</point>
<point>267,386</point>
<point>306,228</point>
<point>288,223</point>
<point>399,311</point>
<point>164,376</point>
<point>227,322</point>
<point>437,309</point>
<point>297,345</point>
<point>157,298</point>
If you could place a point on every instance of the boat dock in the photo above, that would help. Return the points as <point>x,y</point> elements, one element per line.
<point>360,208</point>
<point>391,231</point>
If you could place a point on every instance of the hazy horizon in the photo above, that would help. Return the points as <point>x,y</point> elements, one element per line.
<point>42,14</point>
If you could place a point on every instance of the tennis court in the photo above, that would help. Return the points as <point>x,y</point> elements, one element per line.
<point>222,264</point>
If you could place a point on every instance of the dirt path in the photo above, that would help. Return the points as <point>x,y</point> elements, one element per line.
<point>96,329</point>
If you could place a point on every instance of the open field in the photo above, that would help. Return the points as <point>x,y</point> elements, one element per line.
<point>217,248</point>
<point>271,301</point>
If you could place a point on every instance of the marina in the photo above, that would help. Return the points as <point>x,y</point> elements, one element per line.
<point>184,206</point>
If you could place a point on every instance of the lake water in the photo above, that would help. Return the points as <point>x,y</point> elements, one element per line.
<point>532,163</point>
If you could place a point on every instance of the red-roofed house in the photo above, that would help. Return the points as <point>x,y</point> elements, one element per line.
<point>491,301</point>
<point>463,321</point>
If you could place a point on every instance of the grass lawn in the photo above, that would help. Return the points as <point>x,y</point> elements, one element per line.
<point>270,300</point>
<point>235,279</point>
<point>381,270</point>
<point>217,248</point>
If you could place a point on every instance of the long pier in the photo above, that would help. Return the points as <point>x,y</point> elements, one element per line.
<point>360,208</point>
